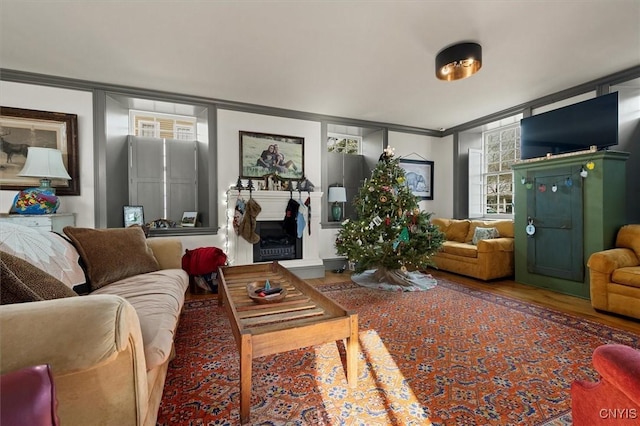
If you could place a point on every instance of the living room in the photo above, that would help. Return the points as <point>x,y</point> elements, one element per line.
<point>48,91</point>
<point>99,90</point>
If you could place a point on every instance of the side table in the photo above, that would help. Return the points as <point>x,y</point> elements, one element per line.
<point>41,222</point>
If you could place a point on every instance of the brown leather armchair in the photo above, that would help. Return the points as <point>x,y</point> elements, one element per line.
<point>614,275</point>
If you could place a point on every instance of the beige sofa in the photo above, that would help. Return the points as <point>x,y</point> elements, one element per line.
<point>614,274</point>
<point>109,350</point>
<point>486,259</point>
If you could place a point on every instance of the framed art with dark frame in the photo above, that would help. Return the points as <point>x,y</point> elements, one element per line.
<point>133,215</point>
<point>419,177</point>
<point>189,219</point>
<point>24,128</point>
<point>262,154</point>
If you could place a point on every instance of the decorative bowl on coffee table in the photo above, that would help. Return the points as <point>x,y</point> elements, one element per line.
<point>271,298</point>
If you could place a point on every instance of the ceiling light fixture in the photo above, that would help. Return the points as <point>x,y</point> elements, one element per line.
<point>459,61</point>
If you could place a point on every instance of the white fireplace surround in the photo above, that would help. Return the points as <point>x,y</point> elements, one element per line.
<point>274,205</point>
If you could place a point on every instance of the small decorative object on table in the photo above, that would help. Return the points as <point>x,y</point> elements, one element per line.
<point>263,292</point>
<point>337,195</point>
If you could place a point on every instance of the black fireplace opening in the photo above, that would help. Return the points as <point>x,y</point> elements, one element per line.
<point>275,243</point>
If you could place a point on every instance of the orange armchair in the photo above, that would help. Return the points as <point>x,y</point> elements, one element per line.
<point>615,399</point>
<point>614,275</point>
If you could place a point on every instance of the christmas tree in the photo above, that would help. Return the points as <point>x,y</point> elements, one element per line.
<point>391,234</point>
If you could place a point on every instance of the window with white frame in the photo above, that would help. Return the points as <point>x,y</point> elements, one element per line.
<point>491,179</point>
<point>501,149</point>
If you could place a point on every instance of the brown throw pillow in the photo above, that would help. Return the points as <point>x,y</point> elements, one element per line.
<point>23,282</point>
<point>112,254</point>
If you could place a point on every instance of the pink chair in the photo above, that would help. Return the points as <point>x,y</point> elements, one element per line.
<point>615,399</point>
<point>27,397</point>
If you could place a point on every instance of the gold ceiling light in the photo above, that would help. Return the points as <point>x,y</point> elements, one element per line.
<point>459,61</point>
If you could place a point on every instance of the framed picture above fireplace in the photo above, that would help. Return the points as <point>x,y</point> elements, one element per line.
<point>263,154</point>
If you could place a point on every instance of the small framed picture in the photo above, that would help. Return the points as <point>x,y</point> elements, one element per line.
<point>133,215</point>
<point>189,219</point>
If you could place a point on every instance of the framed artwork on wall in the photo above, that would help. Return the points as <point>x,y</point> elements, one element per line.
<point>419,177</point>
<point>263,154</point>
<point>133,215</point>
<point>23,128</point>
<point>189,219</point>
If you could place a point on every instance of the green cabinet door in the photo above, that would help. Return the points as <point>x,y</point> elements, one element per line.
<point>556,247</point>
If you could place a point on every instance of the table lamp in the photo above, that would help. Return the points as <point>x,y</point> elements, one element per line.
<point>337,194</point>
<point>46,164</point>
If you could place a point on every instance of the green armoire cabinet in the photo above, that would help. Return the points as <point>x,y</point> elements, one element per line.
<point>573,217</point>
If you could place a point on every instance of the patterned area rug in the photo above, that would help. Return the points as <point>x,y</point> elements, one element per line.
<point>448,356</point>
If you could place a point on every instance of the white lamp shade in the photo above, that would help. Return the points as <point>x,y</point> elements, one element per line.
<point>337,194</point>
<point>44,163</point>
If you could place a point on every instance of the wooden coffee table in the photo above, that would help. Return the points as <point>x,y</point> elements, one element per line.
<point>304,318</point>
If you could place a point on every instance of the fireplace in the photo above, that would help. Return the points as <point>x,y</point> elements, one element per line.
<point>307,262</point>
<point>275,244</point>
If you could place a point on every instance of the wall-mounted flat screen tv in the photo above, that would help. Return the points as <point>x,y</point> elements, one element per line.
<point>572,128</point>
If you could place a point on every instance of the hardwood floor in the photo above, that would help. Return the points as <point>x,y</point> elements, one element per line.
<point>561,302</point>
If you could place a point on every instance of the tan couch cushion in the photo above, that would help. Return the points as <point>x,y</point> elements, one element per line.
<point>460,249</point>
<point>627,276</point>
<point>496,244</point>
<point>457,230</point>
<point>112,254</point>
<point>441,223</point>
<point>157,298</point>
<point>24,282</point>
<point>167,251</point>
<point>454,229</point>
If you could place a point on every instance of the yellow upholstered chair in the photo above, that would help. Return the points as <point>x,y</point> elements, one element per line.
<point>614,275</point>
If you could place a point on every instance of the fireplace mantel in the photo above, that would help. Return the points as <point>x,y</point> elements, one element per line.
<point>274,204</point>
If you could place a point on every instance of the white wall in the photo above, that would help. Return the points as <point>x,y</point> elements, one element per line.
<point>34,97</point>
<point>438,150</point>
<point>230,123</point>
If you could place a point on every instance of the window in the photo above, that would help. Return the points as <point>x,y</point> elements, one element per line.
<point>148,129</point>
<point>493,148</point>
<point>501,149</point>
<point>184,132</point>
<point>344,143</point>
<point>157,125</point>
<point>163,164</point>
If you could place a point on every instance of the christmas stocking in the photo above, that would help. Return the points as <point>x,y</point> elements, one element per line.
<point>237,215</point>
<point>301,224</point>
<point>308,204</point>
<point>248,223</point>
<point>290,217</point>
